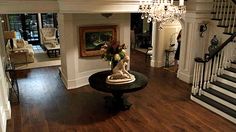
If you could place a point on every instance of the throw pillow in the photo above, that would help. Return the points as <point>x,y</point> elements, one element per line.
<point>20,43</point>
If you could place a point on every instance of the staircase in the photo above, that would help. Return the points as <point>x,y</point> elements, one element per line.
<point>214,79</point>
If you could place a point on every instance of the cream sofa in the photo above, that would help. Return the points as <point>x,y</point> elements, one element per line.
<point>22,52</point>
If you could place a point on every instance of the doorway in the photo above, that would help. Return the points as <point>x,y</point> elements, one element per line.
<point>26,26</point>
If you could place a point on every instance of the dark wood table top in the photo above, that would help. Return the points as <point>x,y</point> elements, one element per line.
<point>98,82</point>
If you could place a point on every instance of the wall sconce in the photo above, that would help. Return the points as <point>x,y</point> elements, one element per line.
<point>203,28</point>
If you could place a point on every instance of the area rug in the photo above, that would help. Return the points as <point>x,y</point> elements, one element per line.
<point>41,60</point>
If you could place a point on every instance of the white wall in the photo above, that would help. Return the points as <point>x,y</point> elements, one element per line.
<point>75,69</point>
<point>5,110</point>
<point>163,39</point>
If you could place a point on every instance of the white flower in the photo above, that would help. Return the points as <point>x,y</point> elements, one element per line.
<point>117,57</point>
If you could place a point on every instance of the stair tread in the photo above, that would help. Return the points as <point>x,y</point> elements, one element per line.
<point>225,86</point>
<point>230,78</point>
<point>231,69</point>
<point>217,105</point>
<point>221,95</point>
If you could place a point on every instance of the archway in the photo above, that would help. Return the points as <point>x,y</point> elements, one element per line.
<point>164,43</point>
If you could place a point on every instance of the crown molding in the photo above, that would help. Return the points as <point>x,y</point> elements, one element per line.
<point>28,6</point>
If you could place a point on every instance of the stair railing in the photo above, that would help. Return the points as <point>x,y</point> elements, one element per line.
<point>225,10</point>
<point>212,65</point>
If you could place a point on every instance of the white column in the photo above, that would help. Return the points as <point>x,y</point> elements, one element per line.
<point>69,60</point>
<point>154,31</point>
<point>5,108</point>
<point>190,47</point>
<point>40,26</point>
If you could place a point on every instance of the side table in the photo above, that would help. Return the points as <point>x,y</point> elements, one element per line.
<point>11,77</point>
<point>98,82</point>
<point>167,61</point>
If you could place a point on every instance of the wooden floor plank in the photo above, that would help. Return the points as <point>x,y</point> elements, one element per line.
<point>164,105</point>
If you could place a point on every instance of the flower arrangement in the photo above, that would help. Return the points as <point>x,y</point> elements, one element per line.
<point>113,52</point>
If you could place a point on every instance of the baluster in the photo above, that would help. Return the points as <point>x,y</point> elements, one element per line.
<point>230,19</point>
<point>217,65</point>
<point>218,10</point>
<point>197,80</point>
<point>205,75</point>
<point>214,6</point>
<point>209,72</point>
<point>231,45</point>
<point>214,70</point>
<point>227,13</point>
<point>229,55</point>
<point>201,79</point>
<point>221,63</point>
<point>224,58</point>
<point>232,29</point>
<point>194,78</point>
<point>224,14</point>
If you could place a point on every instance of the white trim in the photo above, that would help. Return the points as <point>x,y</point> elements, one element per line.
<point>8,110</point>
<point>82,79</point>
<point>184,77</point>
<point>222,90</point>
<point>219,100</point>
<point>217,111</point>
<point>153,63</point>
<point>3,120</point>
<point>233,65</point>
<point>225,81</point>
<point>229,73</point>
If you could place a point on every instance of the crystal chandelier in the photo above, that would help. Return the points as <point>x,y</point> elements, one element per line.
<point>161,10</point>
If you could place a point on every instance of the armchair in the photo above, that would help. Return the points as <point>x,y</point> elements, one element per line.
<point>49,35</point>
<point>19,50</point>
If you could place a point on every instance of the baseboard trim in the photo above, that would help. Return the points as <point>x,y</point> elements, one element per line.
<point>82,79</point>
<point>153,63</point>
<point>3,120</point>
<point>213,109</point>
<point>8,110</point>
<point>184,77</point>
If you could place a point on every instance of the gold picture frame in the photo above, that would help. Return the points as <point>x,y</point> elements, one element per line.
<point>91,38</point>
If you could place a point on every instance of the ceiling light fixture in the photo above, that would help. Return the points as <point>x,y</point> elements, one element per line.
<point>161,10</point>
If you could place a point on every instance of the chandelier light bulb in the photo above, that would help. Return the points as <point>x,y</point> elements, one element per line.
<point>161,10</point>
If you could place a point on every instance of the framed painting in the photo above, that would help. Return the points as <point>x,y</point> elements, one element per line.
<point>92,38</point>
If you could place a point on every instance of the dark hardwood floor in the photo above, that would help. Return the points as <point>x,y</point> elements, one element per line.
<point>164,105</point>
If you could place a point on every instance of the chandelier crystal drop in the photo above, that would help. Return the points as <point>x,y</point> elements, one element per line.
<point>161,10</point>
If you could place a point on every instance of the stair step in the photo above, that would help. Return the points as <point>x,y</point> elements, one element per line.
<point>216,19</point>
<point>217,105</point>
<point>221,95</point>
<point>231,69</point>
<point>228,33</point>
<point>224,26</point>
<point>223,12</point>
<point>232,79</point>
<point>225,86</point>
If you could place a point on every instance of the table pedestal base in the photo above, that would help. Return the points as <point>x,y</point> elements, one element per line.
<point>117,102</point>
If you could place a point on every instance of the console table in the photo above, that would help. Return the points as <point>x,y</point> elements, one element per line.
<point>98,82</point>
<point>11,77</point>
<point>167,61</point>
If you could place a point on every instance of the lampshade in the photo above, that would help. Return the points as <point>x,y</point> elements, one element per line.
<point>9,34</point>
